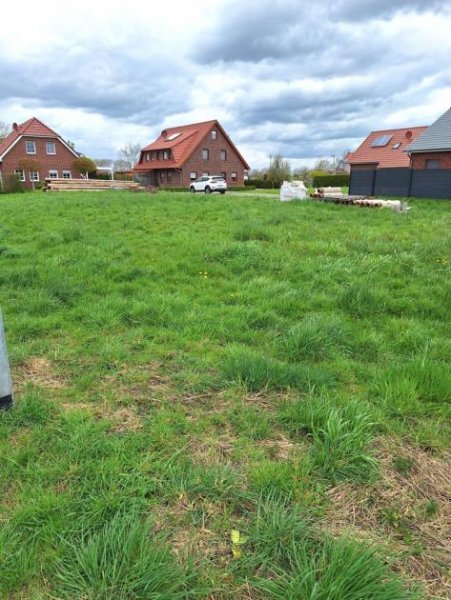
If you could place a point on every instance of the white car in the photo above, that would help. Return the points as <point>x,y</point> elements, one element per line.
<point>208,184</point>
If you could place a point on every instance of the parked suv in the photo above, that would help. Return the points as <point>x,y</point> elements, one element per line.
<point>208,184</point>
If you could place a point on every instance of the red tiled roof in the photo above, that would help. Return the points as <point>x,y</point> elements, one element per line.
<point>182,146</point>
<point>386,156</point>
<point>33,127</point>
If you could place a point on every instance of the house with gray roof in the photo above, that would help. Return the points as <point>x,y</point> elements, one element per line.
<point>432,149</point>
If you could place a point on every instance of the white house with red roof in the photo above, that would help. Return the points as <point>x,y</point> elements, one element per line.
<point>181,154</point>
<point>33,151</point>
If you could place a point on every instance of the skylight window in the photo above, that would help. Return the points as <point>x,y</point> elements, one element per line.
<point>396,146</point>
<point>380,141</point>
<point>173,136</point>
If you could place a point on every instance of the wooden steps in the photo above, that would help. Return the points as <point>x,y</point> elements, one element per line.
<point>91,185</point>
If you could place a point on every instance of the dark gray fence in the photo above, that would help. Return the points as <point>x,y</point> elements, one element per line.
<point>424,183</point>
<point>431,183</point>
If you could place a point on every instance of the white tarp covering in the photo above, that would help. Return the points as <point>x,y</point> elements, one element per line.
<point>293,190</point>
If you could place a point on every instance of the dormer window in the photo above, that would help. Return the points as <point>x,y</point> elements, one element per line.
<point>214,134</point>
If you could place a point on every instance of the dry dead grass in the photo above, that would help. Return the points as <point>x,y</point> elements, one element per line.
<point>394,513</point>
<point>38,371</point>
<point>122,419</point>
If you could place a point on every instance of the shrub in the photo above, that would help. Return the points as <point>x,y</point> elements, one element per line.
<point>11,185</point>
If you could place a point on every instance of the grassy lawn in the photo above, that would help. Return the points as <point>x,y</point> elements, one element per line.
<point>224,397</point>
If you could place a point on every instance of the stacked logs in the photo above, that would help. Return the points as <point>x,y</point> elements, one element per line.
<point>361,201</point>
<point>92,185</point>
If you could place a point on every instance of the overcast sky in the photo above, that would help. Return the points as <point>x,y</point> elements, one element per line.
<point>304,79</point>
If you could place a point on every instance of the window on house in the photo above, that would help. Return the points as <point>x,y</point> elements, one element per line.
<point>382,140</point>
<point>223,155</point>
<point>206,175</point>
<point>53,174</point>
<point>50,147</point>
<point>224,175</point>
<point>214,134</point>
<point>173,136</point>
<point>20,174</point>
<point>396,146</point>
<point>193,175</point>
<point>162,176</point>
<point>67,175</point>
<point>30,147</point>
<point>34,176</point>
<point>169,176</point>
<point>205,154</point>
<point>432,163</point>
<point>233,176</point>
<point>166,155</point>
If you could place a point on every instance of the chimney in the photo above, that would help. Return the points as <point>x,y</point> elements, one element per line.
<point>15,126</point>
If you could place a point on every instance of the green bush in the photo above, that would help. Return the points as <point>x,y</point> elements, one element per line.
<point>331,180</point>
<point>11,185</point>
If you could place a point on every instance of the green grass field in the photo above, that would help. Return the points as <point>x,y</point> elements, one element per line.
<point>224,397</point>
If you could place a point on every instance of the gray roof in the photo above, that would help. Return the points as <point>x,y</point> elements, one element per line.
<point>437,137</point>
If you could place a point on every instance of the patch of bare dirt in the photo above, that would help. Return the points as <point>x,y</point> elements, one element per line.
<point>408,511</point>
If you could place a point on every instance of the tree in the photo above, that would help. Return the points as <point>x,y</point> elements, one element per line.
<point>31,165</point>
<point>84,164</point>
<point>279,170</point>
<point>130,154</point>
<point>4,130</point>
<point>70,144</point>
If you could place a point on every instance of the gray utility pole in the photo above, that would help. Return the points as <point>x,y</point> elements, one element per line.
<point>6,388</point>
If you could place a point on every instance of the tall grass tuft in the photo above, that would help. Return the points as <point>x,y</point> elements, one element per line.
<point>317,338</point>
<point>340,434</point>
<point>336,570</point>
<point>124,561</point>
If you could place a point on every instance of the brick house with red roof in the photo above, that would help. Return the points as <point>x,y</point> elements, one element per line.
<point>50,155</point>
<point>385,149</point>
<point>181,154</point>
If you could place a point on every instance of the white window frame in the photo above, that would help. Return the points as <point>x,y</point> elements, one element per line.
<point>223,153</point>
<point>53,145</point>
<point>193,175</point>
<point>214,134</point>
<point>67,174</point>
<point>34,176</point>
<point>20,174</point>
<point>27,142</point>
<point>233,176</point>
<point>205,154</point>
<point>53,174</point>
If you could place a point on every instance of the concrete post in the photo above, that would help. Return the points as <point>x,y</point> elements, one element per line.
<point>6,388</point>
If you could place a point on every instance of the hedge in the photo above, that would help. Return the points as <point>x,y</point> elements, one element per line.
<point>331,180</point>
<point>263,184</point>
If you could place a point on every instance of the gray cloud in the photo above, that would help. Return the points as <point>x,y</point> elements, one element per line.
<point>285,77</point>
